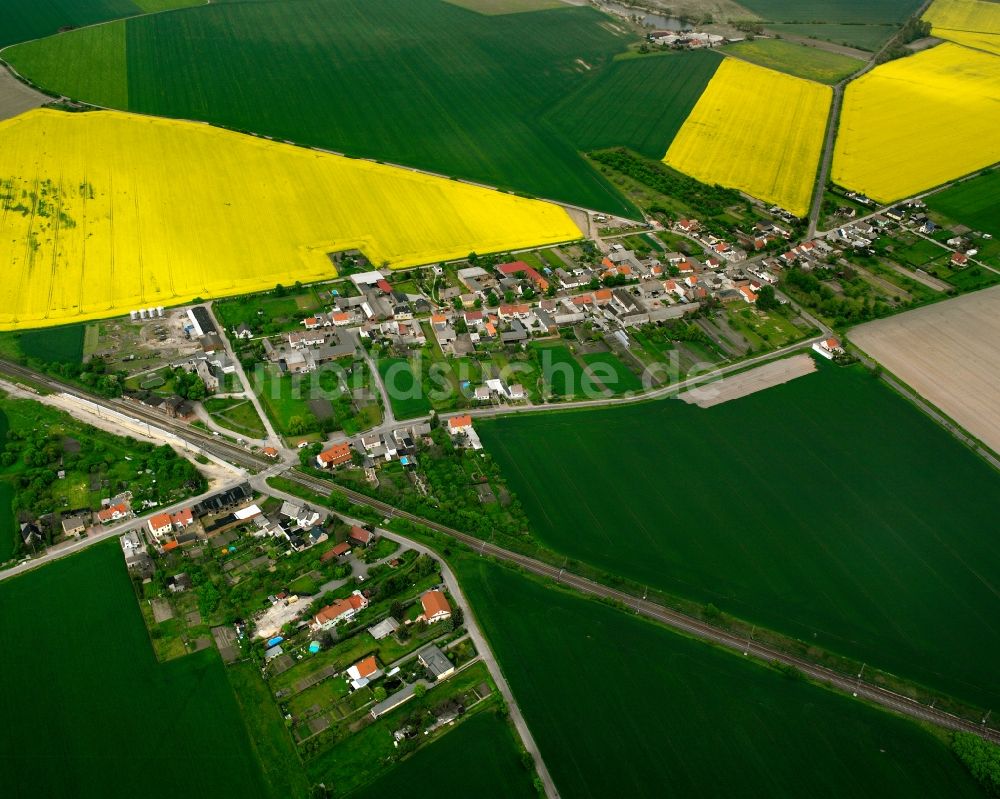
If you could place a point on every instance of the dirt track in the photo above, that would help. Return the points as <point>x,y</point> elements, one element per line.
<point>750,382</point>
<point>15,97</point>
<point>948,354</point>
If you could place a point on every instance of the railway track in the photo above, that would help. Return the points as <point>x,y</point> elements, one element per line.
<point>672,618</point>
<point>214,445</point>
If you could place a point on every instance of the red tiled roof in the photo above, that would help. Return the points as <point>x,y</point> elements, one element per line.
<point>337,454</point>
<point>361,535</point>
<point>434,602</point>
<point>366,667</point>
<point>159,521</point>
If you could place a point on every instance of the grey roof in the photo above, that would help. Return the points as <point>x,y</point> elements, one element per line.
<point>394,701</point>
<point>434,660</point>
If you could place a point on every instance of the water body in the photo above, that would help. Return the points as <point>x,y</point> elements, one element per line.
<point>648,19</point>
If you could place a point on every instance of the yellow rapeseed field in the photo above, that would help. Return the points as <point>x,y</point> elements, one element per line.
<point>974,23</point>
<point>919,121</point>
<point>104,212</point>
<point>758,131</point>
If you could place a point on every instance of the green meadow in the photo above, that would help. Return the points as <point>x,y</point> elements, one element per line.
<point>828,509</point>
<point>478,758</point>
<point>406,393</point>
<point>621,707</point>
<point>89,712</point>
<point>796,59</point>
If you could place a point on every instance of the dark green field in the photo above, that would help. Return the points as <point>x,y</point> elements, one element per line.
<point>417,82</point>
<point>8,529</point>
<point>843,11</point>
<point>865,24</point>
<point>87,710</point>
<point>620,707</point>
<point>973,203</point>
<point>638,103</point>
<point>21,20</point>
<point>54,344</point>
<point>478,758</point>
<point>827,508</point>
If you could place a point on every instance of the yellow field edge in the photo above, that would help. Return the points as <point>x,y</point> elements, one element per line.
<point>104,212</point>
<point>756,130</point>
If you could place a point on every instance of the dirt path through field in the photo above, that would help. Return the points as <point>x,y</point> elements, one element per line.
<point>16,98</point>
<point>750,382</point>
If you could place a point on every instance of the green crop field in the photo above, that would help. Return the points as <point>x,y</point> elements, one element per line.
<point>827,508</point>
<point>638,103</point>
<point>53,344</point>
<point>465,92</point>
<point>857,12</point>
<point>8,527</point>
<point>104,718</point>
<point>620,379</point>
<point>863,37</point>
<point>478,758</point>
<point>507,6</point>
<point>620,707</point>
<point>404,388</point>
<point>105,77</point>
<point>21,20</point>
<point>797,59</point>
<point>973,203</point>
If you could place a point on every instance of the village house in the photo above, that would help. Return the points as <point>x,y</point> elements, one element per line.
<point>341,610</point>
<point>436,662</point>
<point>829,348</point>
<point>522,270</point>
<point>73,525</point>
<point>435,605</point>
<point>334,456</point>
<point>363,672</point>
<point>360,536</point>
<point>114,513</point>
<point>160,524</point>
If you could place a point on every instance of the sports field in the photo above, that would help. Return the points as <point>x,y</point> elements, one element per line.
<point>972,203</point>
<point>620,707</point>
<point>901,111</point>
<point>797,59</point>
<point>478,758</point>
<point>639,103</point>
<point>797,508</point>
<point>758,131</point>
<point>974,23</point>
<point>105,719</point>
<point>93,226</point>
<point>465,92</point>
